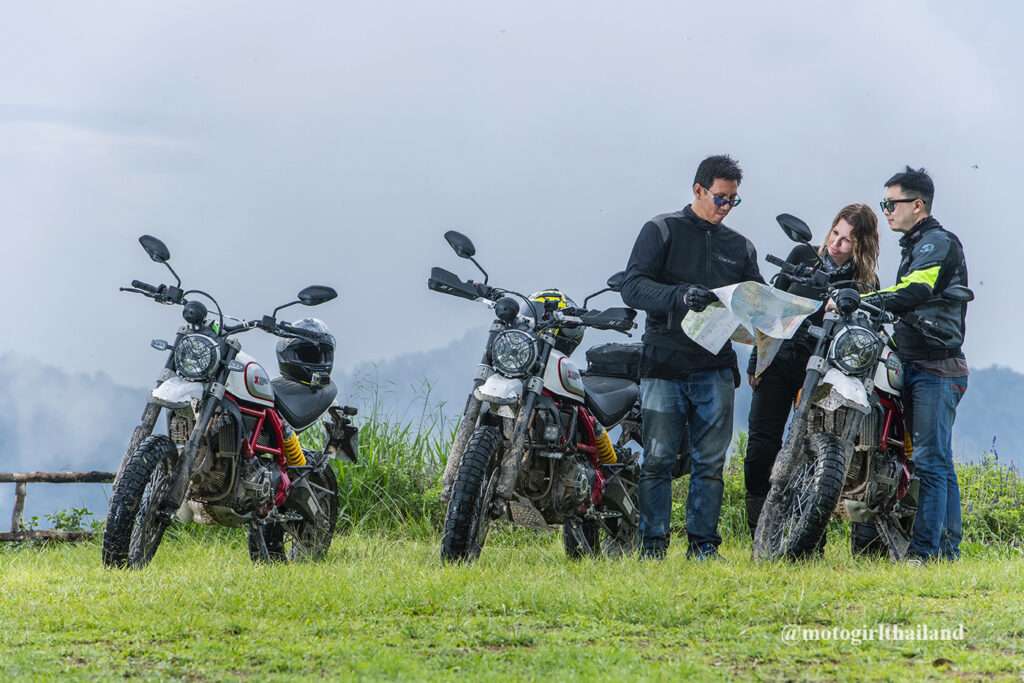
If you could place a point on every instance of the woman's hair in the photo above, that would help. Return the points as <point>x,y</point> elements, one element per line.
<point>865,242</point>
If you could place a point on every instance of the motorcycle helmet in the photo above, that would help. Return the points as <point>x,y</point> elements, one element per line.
<point>309,361</point>
<point>547,300</point>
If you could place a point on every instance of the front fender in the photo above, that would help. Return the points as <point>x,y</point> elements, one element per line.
<point>176,393</point>
<point>502,393</point>
<point>838,390</point>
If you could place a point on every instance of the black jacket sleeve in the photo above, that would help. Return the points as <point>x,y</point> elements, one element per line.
<point>641,288</point>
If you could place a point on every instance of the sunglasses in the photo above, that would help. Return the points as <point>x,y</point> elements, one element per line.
<point>889,205</point>
<point>721,200</point>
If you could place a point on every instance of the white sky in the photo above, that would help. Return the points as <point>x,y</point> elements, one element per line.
<point>272,146</point>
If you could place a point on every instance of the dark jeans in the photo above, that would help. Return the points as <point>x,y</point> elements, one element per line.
<point>769,411</point>
<point>933,402</point>
<point>704,403</point>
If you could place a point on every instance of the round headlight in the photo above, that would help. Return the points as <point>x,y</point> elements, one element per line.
<point>195,356</point>
<point>855,349</point>
<point>513,352</point>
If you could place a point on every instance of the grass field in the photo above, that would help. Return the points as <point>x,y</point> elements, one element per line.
<point>382,608</point>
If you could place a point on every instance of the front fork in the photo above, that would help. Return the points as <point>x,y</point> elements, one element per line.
<point>469,417</point>
<point>214,396</point>
<point>513,456</point>
<point>798,428</point>
<point>466,428</point>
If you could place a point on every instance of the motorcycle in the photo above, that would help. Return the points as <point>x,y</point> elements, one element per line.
<point>231,454</point>
<point>848,447</point>
<point>536,449</point>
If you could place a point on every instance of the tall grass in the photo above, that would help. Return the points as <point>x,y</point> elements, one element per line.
<point>394,488</point>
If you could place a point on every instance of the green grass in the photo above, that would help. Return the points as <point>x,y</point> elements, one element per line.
<point>381,607</point>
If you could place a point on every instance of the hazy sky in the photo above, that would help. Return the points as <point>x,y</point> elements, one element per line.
<point>275,145</point>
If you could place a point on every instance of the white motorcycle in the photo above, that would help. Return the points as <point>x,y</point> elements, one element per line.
<point>537,449</point>
<point>847,444</point>
<point>231,455</point>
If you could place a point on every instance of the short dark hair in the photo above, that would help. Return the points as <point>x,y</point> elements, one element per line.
<point>718,166</point>
<point>915,184</point>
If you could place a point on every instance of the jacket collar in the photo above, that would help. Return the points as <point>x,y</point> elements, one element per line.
<point>918,231</point>
<point>691,215</point>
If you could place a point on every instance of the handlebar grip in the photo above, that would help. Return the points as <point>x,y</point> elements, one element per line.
<point>139,284</point>
<point>486,291</point>
<point>776,261</point>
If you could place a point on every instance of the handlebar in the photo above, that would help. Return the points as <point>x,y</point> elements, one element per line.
<point>164,294</point>
<point>139,284</point>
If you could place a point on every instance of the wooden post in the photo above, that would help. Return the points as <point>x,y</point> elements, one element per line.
<point>19,506</point>
<point>21,480</point>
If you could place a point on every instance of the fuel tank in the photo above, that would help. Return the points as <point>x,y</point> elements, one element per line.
<point>562,377</point>
<point>252,384</point>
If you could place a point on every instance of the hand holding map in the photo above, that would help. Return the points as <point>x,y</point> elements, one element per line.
<point>749,312</point>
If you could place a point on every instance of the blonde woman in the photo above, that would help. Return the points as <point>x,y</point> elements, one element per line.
<point>849,252</point>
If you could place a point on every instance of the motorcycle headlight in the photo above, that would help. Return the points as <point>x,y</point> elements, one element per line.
<point>855,350</point>
<point>513,352</point>
<point>195,356</point>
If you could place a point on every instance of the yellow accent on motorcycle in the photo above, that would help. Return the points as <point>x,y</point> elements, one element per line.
<point>292,450</point>
<point>908,444</point>
<point>605,449</point>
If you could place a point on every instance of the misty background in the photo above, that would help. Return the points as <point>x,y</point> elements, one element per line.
<point>273,147</point>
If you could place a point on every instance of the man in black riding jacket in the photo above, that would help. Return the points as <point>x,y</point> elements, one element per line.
<point>935,369</point>
<point>675,261</point>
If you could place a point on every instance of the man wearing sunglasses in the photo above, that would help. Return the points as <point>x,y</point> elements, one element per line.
<point>676,260</point>
<point>935,369</point>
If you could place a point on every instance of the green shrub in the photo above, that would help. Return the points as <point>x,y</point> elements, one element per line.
<point>992,495</point>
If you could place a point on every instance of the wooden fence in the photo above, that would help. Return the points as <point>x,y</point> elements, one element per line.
<point>21,480</point>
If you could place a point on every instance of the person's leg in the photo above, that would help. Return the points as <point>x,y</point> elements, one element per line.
<point>934,400</point>
<point>710,394</point>
<point>664,420</point>
<point>949,547</point>
<point>769,411</point>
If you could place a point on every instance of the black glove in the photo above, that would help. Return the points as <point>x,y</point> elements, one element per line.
<point>697,297</point>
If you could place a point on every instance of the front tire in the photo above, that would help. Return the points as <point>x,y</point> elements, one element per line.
<point>796,512</point>
<point>135,522</point>
<point>467,518</point>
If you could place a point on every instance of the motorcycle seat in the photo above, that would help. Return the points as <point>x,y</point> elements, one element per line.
<point>301,405</point>
<point>610,398</point>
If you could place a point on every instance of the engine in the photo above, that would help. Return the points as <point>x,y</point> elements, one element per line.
<point>226,488</point>
<point>571,487</point>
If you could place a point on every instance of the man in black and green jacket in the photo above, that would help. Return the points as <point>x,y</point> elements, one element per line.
<point>935,369</point>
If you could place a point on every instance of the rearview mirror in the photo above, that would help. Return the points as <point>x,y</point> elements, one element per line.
<point>314,295</point>
<point>615,281</point>
<point>156,249</point>
<point>462,245</point>
<point>794,228</point>
<point>958,293</point>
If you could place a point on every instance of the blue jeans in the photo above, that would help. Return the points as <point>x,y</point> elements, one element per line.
<point>937,527</point>
<point>704,402</point>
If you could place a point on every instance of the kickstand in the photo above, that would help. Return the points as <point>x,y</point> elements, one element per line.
<point>581,540</point>
<point>257,531</point>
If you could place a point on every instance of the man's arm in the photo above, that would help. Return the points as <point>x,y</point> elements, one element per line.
<point>918,285</point>
<point>640,288</point>
<point>751,273</point>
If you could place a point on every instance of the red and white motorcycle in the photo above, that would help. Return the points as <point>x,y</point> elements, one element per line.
<point>231,454</point>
